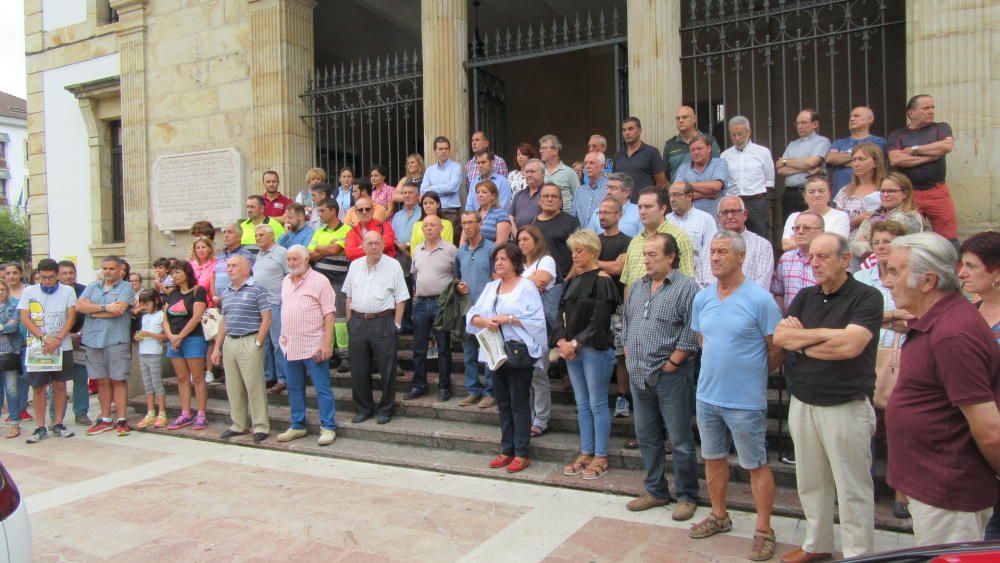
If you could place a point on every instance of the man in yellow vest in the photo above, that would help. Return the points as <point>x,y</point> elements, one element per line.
<point>256,216</point>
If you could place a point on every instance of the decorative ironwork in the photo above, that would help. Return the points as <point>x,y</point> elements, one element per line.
<point>367,112</point>
<point>767,59</point>
<point>514,44</point>
<point>489,107</point>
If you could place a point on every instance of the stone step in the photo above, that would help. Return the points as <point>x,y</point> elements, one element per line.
<point>623,482</point>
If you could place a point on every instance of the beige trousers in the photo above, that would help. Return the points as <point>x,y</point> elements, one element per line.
<point>833,459</point>
<point>244,364</point>
<point>933,525</point>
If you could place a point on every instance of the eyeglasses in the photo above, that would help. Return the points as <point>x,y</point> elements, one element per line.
<point>363,209</point>
<point>803,228</point>
<point>731,212</point>
<point>890,192</point>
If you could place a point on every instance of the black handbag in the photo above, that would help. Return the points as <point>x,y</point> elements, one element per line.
<point>10,361</point>
<point>517,351</point>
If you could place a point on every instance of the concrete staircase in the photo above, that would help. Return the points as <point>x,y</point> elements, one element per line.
<point>448,438</point>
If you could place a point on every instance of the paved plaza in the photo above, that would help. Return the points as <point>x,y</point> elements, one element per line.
<point>164,498</point>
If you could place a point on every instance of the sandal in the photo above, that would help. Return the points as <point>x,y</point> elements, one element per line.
<point>15,431</point>
<point>763,545</point>
<point>710,526</point>
<point>596,469</point>
<point>578,466</point>
<point>536,431</point>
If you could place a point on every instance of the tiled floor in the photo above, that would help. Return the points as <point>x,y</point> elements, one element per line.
<point>157,498</point>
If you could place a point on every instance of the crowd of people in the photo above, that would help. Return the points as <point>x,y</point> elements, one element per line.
<point>659,271</point>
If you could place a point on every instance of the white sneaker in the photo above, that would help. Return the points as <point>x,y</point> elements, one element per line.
<point>326,437</point>
<point>432,353</point>
<point>209,377</point>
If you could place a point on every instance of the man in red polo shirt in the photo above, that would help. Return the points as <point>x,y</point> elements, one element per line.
<point>275,203</point>
<point>942,422</point>
<point>365,209</point>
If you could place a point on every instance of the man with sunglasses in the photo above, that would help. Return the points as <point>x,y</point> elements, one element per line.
<point>365,208</point>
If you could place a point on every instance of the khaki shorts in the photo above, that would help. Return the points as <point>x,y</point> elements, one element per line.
<point>113,361</point>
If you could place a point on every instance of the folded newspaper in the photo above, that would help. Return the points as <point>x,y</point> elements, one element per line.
<point>37,360</point>
<point>491,344</point>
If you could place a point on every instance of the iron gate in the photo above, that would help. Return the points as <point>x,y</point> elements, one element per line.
<point>367,113</point>
<point>767,59</point>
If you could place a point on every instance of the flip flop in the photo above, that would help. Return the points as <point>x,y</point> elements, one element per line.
<point>536,431</point>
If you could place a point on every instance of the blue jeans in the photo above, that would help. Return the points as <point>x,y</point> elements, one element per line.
<point>81,395</point>
<point>274,358</point>
<point>590,374</point>
<point>319,373</point>
<point>667,407</point>
<point>11,388</point>
<point>424,311</point>
<point>470,346</point>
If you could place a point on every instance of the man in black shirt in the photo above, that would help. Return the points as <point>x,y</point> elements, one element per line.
<point>614,247</point>
<point>556,227</point>
<point>81,394</point>
<point>830,335</point>
<point>640,161</point>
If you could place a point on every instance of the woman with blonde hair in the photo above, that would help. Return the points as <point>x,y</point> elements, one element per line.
<point>897,204</point>
<point>415,168</point>
<point>313,176</point>
<point>860,198</point>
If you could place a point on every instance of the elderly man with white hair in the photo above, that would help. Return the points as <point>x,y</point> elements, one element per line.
<point>243,329</point>
<point>942,420</point>
<point>307,310</point>
<point>591,193</point>
<point>751,175</point>
<point>269,271</point>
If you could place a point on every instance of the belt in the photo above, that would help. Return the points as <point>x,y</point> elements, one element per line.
<point>753,197</point>
<point>241,335</point>
<point>419,298</point>
<point>796,188</point>
<point>369,316</point>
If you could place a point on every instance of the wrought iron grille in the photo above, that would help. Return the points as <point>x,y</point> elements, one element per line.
<point>489,107</point>
<point>367,113</point>
<point>767,59</point>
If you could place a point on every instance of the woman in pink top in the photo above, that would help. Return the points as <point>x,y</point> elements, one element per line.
<point>203,263</point>
<point>381,190</point>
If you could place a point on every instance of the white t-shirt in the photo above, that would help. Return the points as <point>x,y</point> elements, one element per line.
<point>545,264</point>
<point>834,221</point>
<point>152,322</point>
<point>48,310</point>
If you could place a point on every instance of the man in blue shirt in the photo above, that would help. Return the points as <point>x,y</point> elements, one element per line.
<point>474,268</point>
<point>445,178</point>
<point>484,161</point>
<point>231,246</point>
<point>588,199</point>
<point>297,230</point>
<point>839,157</point>
<point>735,321</point>
<point>619,188</point>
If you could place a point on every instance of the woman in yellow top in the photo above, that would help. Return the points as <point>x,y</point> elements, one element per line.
<point>430,202</point>
<point>363,188</point>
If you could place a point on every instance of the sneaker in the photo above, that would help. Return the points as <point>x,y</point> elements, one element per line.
<point>209,377</point>
<point>788,458</point>
<point>292,434</point>
<point>326,437</point>
<point>621,407</point>
<point>469,400</point>
<point>38,435</point>
<point>200,422</point>
<point>345,366</point>
<point>432,353</point>
<point>102,425</point>
<point>60,431</point>
<point>181,421</point>
<point>161,420</point>
<point>25,415</point>
<point>122,427</point>
<point>147,420</point>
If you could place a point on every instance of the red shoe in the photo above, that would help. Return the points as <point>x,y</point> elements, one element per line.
<point>501,461</point>
<point>92,386</point>
<point>516,465</point>
<point>102,425</point>
<point>25,415</point>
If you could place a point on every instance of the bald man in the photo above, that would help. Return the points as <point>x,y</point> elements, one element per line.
<point>677,150</point>
<point>839,157</point>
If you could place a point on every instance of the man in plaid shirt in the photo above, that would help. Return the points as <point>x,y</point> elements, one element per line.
<point>794,271</point>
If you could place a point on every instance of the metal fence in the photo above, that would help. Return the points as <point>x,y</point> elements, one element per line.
<point>767,59</point>
<point>367,112</point>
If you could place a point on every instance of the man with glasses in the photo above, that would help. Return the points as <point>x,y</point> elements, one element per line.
<point>802,157</point>
<point>474,269</point>
<point>751,177</point>
<point>365,208</point>
<point>699,226</point>
<point>640,161</point>
<point>794,270</point>
<point>556,171</point>
<point>614,249</point>
<point>758,266</point>
<point>619,189</point>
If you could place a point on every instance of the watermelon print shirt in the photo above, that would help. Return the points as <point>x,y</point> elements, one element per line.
<point>180,306</point>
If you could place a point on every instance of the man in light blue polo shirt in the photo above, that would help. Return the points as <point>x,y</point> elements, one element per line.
<point>484,161</point>
<point>590,194</point>
<point>619,187</point>
<point>706,173</point>
<point>802,157</point>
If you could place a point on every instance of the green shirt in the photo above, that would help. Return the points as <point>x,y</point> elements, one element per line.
<point>333,267</point>
<point>249,236</point>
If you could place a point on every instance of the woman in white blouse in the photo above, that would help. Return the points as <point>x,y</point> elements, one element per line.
<point>540,269</point>
<point>817,195</point>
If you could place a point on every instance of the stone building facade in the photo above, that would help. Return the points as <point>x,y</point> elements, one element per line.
<point>118,84</point>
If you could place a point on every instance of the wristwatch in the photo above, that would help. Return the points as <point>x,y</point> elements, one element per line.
<point>915,148</point>
<point>104,309</point>
<point>575,344</point>
<point>399,327</point>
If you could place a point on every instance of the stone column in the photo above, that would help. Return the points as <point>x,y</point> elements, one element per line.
<point>37,187</point>
<point>654,67</point>
<point>444,40</point>
<point>136,178</point>
<point>281,63</point>
<point>948,48</point>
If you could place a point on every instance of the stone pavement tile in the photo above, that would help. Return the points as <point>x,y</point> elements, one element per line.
<point>607,540</point>
<point>78,527</point>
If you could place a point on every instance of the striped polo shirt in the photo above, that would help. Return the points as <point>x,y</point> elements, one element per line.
<point>334,268</point>
<point>242,308</point>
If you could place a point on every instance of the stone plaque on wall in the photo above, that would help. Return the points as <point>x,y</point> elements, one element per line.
<point>196,186</point>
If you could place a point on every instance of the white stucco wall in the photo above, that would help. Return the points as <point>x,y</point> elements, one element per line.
<point>67,158</point>
<point>17,159</point>
<point>60,13</point>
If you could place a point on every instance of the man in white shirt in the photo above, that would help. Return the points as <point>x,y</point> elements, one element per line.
<point>758,264</point>
<point>751,175</point>
<point>699,225</point>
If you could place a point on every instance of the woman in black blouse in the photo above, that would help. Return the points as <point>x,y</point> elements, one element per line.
<point>585,342</point>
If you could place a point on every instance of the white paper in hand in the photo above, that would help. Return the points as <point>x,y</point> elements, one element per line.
<point>491,343</point>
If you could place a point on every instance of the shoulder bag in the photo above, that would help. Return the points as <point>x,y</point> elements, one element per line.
<point>886,371</point>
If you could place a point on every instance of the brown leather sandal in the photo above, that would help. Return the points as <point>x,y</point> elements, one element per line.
<point>596,469</point>
<point>578,466</point>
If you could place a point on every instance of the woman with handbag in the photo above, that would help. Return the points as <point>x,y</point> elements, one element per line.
<point>510,305</point>
<point>891,335</point>
<point>585,341</point>
<point>11,346</point>
<point>186,343</point>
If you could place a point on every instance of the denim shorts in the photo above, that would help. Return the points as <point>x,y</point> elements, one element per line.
<point>720,427</point>
<point>191,347</point>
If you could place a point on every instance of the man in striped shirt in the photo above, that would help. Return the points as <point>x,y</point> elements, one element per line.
<point>246,319</point>
<point>795,271</point>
